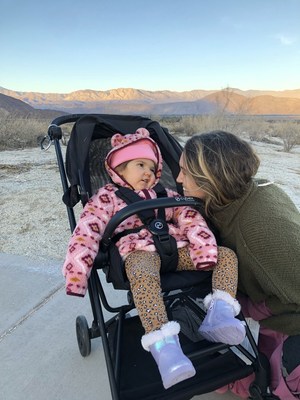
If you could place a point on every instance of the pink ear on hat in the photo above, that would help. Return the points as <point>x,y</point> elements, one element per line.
<point>118,139</point>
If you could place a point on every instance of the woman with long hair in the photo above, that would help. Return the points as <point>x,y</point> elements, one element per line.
<point>257,220</point>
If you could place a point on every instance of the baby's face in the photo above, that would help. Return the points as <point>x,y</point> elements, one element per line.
<point>139,173</point>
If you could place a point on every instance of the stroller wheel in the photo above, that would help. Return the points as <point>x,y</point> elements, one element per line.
<point>83,336</point>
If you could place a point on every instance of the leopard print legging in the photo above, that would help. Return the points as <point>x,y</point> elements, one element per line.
<point>142,269</point>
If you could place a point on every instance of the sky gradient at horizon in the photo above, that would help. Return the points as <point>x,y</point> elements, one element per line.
<point>67,45</point>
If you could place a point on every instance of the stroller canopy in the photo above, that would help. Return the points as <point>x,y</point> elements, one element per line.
<point>90,142</point>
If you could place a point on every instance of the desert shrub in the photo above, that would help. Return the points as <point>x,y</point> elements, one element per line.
<point>192,124</point>
<point>240,125</point>
<point>170,122</point>
<point>20,132</point>
<point>257,129</point>
<point>289,132</point>
<point>189,125</point>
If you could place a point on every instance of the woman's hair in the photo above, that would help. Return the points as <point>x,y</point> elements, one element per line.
<point>222,165</point>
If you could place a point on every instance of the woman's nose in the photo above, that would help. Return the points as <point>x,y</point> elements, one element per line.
<point>178,179</point>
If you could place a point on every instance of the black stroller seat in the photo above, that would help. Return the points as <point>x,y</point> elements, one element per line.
<point>132,372</point>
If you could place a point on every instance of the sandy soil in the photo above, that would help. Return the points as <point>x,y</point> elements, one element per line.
<point>34,219</point>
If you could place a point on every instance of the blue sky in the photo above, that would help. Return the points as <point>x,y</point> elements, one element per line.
<point>59,46</point>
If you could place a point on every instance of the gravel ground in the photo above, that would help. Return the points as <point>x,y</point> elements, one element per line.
<point>34,220</point>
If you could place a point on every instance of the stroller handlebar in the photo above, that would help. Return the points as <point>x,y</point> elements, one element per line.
<point>138,206</point>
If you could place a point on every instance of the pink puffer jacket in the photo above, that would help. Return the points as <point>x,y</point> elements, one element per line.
<point>185,224</point>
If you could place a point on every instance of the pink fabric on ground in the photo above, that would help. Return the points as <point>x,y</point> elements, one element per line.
<point>270,343</point>
<point>293,381</point>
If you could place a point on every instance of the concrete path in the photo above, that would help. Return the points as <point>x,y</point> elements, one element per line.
<point>39,357</point>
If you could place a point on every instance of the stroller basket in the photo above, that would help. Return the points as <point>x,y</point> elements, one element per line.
<point>132,372</point>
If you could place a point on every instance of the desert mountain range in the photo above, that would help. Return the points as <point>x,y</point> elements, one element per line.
<point>136,101</point>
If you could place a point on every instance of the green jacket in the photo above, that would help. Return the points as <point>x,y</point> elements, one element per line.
<point>263,228</point>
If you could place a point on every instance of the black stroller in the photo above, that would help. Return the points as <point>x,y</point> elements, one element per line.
<point>132,372</point>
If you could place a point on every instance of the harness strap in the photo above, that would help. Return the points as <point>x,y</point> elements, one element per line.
<point>129,196</point>
<point>118,236</point>
<point>165,244</point>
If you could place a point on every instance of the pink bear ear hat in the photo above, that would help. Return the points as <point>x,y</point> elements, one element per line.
<point>132,146</point>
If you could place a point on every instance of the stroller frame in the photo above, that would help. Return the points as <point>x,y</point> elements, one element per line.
<point>216,364</point>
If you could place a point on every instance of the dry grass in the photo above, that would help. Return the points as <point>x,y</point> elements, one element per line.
<point>24,132</point>
<point>14,168</point>
<point>285,132</point>
<point>20,132</point>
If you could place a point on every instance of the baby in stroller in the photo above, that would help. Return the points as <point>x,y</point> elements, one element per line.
<point>135,162</point>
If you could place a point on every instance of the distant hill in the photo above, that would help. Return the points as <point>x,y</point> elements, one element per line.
<point>11,105</point>
<point>136,101</point>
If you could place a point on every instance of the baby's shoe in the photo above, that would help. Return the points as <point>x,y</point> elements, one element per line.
<point>220,324</point>
<point>165,348</point>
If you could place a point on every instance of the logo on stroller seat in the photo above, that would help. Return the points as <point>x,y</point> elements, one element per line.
<point>159,227</point>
